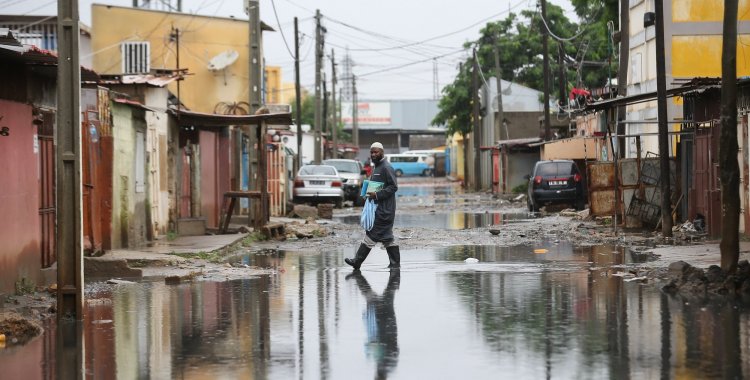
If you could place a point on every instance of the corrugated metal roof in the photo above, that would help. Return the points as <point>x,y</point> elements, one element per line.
<point>133,103</point>
<point>280,120</point>
<point>157,80</point>
<point>524,141</point>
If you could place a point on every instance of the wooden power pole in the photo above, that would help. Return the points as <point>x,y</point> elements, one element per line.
<point>730,170</point>
<point>545,75</point>
<point>661,100</point>
<point>68,193</point>
<point>475,136</point>
<point>334,113</point>
<point>355,113</point>
<point>297,94</point>
<point>318,64</point>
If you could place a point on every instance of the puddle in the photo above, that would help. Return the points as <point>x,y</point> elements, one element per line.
<point>556,314</point>
<point>454,220</point>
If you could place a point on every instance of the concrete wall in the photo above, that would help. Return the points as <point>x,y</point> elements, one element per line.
<point>157,147</point>
<point>129,199</point>
<point>201,39</point>
<point>19,196</point>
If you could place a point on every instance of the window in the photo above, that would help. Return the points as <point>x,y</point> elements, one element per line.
<point>136,57</point>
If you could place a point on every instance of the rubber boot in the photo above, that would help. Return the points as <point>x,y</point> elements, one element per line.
<point>359,257</point>
<point>394,256</point>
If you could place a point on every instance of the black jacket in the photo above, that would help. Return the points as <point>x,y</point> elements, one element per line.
<point>385,214</point>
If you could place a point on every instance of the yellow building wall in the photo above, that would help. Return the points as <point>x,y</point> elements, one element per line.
<point>705,10</point>
<point>287,93</point>
<point>201,38</point>
<point>700,56</point>
<point>273,84</point>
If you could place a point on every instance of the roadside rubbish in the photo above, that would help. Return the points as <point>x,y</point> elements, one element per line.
<point>471,260</point>
<point>541,250</point>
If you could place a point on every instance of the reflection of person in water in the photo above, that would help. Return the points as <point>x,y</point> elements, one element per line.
<point>380,319</point>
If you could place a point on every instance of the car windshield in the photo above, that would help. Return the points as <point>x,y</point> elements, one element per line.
<point>552,169</point>
<point>344,166</point>
<point>317,170</point>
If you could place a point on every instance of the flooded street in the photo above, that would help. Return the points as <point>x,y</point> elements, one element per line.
<point>555,309</point>
<point>557,314</point>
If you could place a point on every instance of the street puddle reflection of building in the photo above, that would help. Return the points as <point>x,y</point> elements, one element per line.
<point>453,220</point>
<point>560,314</point>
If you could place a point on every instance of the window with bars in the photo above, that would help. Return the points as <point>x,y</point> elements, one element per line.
<point>136,57</point>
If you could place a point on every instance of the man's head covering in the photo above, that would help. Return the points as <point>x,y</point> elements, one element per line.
<point>376,145</point>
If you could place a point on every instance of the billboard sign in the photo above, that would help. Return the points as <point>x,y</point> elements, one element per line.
<point>368,113</point>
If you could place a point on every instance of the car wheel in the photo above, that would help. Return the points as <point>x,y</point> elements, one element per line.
<point>339,203</point>
<point>427,172</point>
<point>399,173</point>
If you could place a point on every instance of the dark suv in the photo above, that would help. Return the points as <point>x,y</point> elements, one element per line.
<point>556,181</point>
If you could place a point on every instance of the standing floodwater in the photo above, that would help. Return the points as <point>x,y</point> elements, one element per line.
<point>526,312</point>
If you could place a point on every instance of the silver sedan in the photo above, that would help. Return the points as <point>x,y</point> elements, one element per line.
<point>318,183</point>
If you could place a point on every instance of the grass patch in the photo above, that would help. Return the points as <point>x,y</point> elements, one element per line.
<point>520,189</point>
<point>252,238</point>
<point>171,235</point>
<point>25,286</point>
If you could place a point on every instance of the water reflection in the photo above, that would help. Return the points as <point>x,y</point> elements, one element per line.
<point>453,220</point>
<point>517,313</point>
<point>380,322</point>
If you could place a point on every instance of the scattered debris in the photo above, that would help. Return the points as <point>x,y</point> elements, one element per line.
<point>495,231</point>
<point>17,330</point>
<point>115,281</point>
<point>471,260</point>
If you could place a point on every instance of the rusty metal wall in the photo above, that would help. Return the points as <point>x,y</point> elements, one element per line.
<point>601,184</point>
<point>705,191</point>
<point>47,209</point>
<point>276,181</point>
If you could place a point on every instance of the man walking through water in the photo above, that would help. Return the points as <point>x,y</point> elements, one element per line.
<point>385,212</point>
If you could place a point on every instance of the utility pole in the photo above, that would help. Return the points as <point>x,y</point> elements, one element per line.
<point>298,94</point>
<point>622,70</point>
<point>475,119</point>
<point>318,64</point>
<point>545,76</point>
<point>730,170</point>
<point>435,83</point>
<point>70,363</point>
<point>561,73</point>
<point>253,12</point>
<point>661,100</point>
<point>335,122</point>
<point>500,114</point>
<point>355,113</point>
<point>175,36</point>
<point>324,117</point>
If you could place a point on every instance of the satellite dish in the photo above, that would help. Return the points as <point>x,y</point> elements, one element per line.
<point>222,60</point>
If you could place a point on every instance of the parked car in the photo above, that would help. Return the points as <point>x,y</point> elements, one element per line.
<point>316,183</point>
<point>353,173</point>
<point>409,164</point>
<point>555,182</point>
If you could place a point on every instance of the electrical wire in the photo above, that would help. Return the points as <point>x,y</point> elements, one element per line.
<point>281,30</point>
<point>446,34</point>
<point>409,64</point>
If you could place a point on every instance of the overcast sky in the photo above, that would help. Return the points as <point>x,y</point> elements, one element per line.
<point>427,31</point>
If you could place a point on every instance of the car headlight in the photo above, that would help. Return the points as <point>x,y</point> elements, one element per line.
<point>352,182</point>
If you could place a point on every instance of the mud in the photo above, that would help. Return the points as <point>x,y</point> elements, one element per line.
<point>17,330</point>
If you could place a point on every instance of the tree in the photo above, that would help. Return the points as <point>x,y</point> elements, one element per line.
<point>730,170</point>
<point>520,43</point>
<point>308,109</point>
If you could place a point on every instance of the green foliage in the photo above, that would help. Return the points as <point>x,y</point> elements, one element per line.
<point>520,189</point>
<point>24,286</point>
<point>252,238</point>
<point>519,39</point>
<point>171,235</point>
<point>308,109</point>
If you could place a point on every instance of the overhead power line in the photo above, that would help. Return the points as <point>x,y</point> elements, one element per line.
<point>410,63</point>
<point>442,35</point>
<point>281,30</point>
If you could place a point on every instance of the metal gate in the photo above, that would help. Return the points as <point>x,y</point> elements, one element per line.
<point>276,180</point>
<point>47,208</point>
<point>705,191</point>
